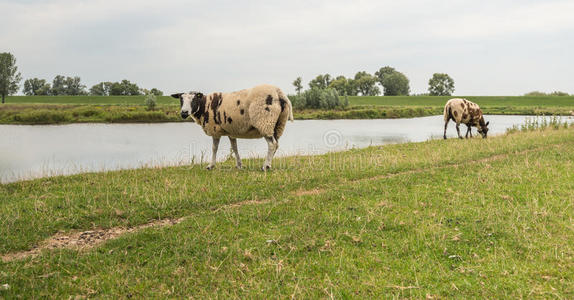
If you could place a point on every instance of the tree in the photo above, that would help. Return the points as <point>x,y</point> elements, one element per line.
<point>559,93</point>
<point>36,87</point>
<point>156,92</point>
<point>344,86</point>
<point>9,76</point>
<point>441,85</point>
<point>382,72</point>
<point>101,89</point>
<point>396,84</point>
<point>124,88</point>
<point>58,85</point>
<point>366,84</point>
<point>68,86</point>
<point>298,85</point>
<point>320,82</point>
<point>74,87</point>
<point>44,90</point>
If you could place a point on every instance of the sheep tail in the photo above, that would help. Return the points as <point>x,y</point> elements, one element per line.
<point>446,112</point>
<point>290,110</point>
<point>283,96</point>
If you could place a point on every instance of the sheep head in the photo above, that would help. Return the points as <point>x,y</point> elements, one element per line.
<point>189,103</point>
<point>483,128</point>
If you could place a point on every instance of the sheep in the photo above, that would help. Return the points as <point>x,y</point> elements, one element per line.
<point>261,111</point>
<point>466,112</point>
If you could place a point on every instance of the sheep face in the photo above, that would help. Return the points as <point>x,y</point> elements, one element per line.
<point>186,102</point>
<point>483,128</point>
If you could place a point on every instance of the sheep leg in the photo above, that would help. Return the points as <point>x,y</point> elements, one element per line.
<point>213,153</point>
<point>468,131</point>
<point>445,125</point>
<point>234,150</point>
<point>458,130</point>
<point>276,146</point>
<point>272,147</point>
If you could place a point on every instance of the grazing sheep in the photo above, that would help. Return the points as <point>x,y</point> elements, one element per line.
<point>466,112</point>
<point>258,112</point>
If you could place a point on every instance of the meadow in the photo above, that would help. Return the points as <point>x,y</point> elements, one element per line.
<point>478,218</point>
<point>114,109</point>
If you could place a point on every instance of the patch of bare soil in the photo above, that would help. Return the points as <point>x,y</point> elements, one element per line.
<point>85,239</point>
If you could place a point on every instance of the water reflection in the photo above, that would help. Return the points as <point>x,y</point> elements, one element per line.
<point>37,151</point>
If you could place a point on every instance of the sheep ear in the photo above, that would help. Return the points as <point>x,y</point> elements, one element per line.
<point>199,95</point>
<point>177,96</point>
<point>487,123</point>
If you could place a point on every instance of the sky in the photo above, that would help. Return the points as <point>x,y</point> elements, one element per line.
<point>499,47</point>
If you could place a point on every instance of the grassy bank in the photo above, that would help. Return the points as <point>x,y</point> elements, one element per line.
<point>63,114</point>
<point>78,109</point>
<point>483,101</point>
<point>458,218</point>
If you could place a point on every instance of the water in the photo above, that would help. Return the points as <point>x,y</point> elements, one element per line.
<point>38,151</point>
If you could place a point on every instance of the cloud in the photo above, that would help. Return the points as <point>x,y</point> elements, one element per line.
<point>227,45</point>
<point>537,18</point>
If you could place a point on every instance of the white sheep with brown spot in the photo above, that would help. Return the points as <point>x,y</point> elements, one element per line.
<point>466,112</point>
<point>259,112</point>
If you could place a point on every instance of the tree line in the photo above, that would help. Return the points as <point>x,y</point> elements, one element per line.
<point>61,85</point>
<point>392,82</point>
<point>72,86</point>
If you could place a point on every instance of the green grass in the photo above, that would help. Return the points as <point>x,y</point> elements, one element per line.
<point>501,105</point>
<point>460,218</point>
<point>63,109</point>
<point>80,100</point>
<point>482,101</point>
<point>61,114</point>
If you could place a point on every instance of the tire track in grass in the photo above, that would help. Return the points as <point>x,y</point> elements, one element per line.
<point>496,157</point>
<point>84,240</point>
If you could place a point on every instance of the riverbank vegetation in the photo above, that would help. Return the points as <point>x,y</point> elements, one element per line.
<point>477,218</point>
<point>326,106</point>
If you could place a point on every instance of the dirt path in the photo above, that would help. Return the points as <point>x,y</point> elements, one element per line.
<point>82,240</point>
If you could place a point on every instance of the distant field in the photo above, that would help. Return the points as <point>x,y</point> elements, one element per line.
<point>483,101</point>
<point>460,219</point>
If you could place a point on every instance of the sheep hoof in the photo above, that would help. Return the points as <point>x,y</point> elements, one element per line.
<point>239,167</point>
<point>444,137</point>
<point>265,168</point>
<point>210,167</point>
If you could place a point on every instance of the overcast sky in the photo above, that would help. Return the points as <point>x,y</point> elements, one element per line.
<point>499,47</point>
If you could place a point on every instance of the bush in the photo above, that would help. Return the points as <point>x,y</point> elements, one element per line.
<point>540,94</point>
<point>87,112</point>
<point>540,123</point>
<point>43,117</point>
<point>136,116</point>
<point>535,94</point>
<point>318,99</point>
<point>298,101</point>
<point>150,102</point>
